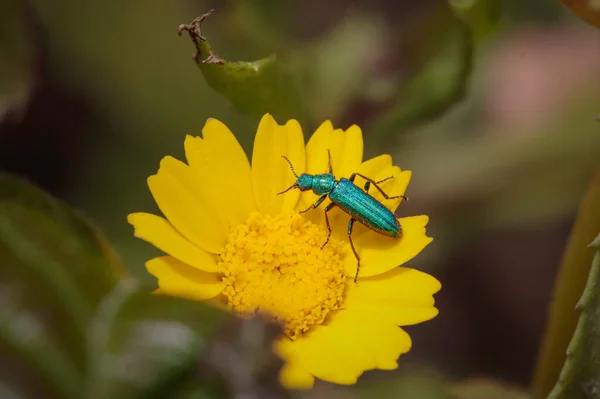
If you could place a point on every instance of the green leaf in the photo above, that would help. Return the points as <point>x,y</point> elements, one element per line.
<point>573,277</point>
<point>588,10</point>
<point>143,345</point>
<point>55,268</point>
<point>580,376</point>
<point>256,88</point>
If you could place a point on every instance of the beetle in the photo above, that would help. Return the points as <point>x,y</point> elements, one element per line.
<point>356,202</point>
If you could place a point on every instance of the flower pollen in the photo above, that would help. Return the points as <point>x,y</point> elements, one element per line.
<point>276,265</point>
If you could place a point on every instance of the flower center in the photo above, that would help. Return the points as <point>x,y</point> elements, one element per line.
<point>276,265</point>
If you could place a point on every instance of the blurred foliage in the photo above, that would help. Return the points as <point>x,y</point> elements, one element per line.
<point>580,376</point>
<point>19,50</point>
<point>417,383</point>
<point>486,389</point>
<point>588,10</point>
<point>142,345</point>
<point>439,84</point>
<point>55,271</point>
<point>570,283</point>
<point>481,16</point>
<point>443,79</point>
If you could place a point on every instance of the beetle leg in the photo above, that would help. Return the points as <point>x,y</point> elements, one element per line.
<point>327,209</point>
<point>316,204</point>
<point>368,184</point>
<point>383,180</point>
<point>353,176</point>
<point>350,226</point>
<point>369,180</point>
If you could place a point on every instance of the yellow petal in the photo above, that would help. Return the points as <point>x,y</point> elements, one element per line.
<point>327,353</point>
<point>346,151</point>
<point>316,149</point>
<point>293,375</point>
<point>222,171</point>
<point>160,233</point>
<point>390,343</point>
<point>378,253</point>
<point>351,343</point>
<point>270,173</point>
<point>403,296</point>
<point>176,278</point>
<point>178,196</point>
<point>373,167</point>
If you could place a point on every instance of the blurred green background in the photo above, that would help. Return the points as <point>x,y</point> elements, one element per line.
<point>497,126</point>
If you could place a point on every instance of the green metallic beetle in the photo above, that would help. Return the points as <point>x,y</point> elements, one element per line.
<point>356,202</point>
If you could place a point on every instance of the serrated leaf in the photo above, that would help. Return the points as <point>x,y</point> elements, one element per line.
<point>570,283</point>
<point>257,87</point>
<point>55,268</point>
<point>580,375</point>
<point>588,10</point>
<point>144,345</point>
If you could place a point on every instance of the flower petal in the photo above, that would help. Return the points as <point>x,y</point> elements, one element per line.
<point>327,353</point>
<point>346,149</point>
<point>316,149</point>
<point>378,254</point>
<point>178,196</point>
<point>391,342</point>
<point>373,167</point>
<point>293,376</point>
<point>351,343</point>
<point>403,296</point>
<point>270,173</point>
<point>160,233</point>
<point>176,278</point>
<point>222,170</point>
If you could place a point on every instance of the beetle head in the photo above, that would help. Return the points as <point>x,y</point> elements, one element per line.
<point>304,182</point>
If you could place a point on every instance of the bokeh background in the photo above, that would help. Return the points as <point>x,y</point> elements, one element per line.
<point>501,144</point>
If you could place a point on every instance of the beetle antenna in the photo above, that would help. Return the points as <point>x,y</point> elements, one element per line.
<point>291,166</point>
<point>288,189</point>
<point>329,161</point>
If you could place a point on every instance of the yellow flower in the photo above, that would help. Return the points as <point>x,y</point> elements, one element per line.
<point>232,240</point>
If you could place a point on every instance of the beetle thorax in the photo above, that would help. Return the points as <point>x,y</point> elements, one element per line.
<point>323,183</point>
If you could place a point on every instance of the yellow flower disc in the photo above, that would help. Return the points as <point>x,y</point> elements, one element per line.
<point>276,265</point>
